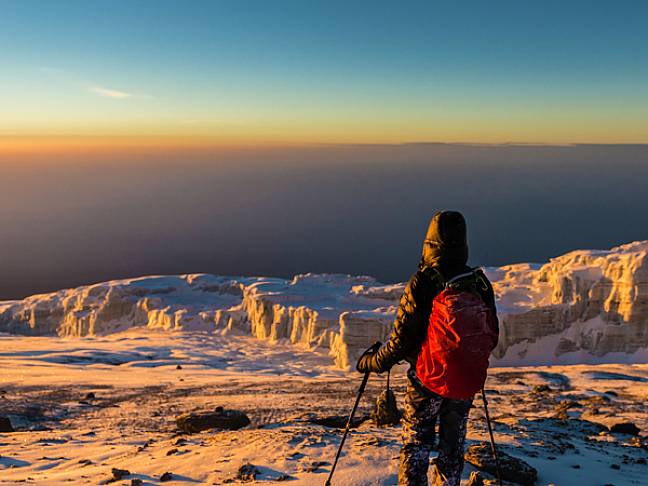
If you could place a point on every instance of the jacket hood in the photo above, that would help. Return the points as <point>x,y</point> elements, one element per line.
<point>445,242</point>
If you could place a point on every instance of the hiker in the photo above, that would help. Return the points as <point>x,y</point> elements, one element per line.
<point>446,369</point>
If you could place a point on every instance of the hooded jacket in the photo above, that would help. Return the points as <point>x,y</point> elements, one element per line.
<point>445,252</point>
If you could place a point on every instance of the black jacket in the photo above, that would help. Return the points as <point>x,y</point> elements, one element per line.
<point>410,326</point>
<point>445,253</point>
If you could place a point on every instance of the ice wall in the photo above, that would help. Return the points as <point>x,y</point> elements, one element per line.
<point>585,306</point>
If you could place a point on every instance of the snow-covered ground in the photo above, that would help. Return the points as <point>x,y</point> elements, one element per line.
<point>92,378</point>
<point>67,437</point>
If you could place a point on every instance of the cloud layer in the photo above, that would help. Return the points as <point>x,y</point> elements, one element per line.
<point>109,92</point>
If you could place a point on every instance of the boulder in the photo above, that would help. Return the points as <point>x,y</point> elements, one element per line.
<point>5,425</point>
<point>220,418</point>
<point>339,421</point>
<point>512,468</point>
<point>386,411</point>
<point>625,428</point>
<point>247,472</point>
<point>117,475</point>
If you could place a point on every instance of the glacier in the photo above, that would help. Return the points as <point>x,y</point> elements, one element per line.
<point>587,306</point>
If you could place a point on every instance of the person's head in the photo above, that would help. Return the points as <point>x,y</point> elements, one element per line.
<point>445,242</point>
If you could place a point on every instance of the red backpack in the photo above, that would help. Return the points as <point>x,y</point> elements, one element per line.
<point>462,332</point>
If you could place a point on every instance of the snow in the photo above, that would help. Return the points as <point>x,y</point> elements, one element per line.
<point>281,350</point>
<point>588,306</point>
<point>139,391</point>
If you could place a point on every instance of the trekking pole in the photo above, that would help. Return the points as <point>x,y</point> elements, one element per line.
<point>361,390</point>
<point>492,439</point>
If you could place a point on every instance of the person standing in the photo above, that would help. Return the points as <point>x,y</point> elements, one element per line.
<point>445,328</point>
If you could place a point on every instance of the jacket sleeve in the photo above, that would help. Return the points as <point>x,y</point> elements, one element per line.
<point>410,326</point>
<point>488,294</point>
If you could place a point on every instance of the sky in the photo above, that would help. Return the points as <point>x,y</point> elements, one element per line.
<point>203,73</point>
<point>279,137</point>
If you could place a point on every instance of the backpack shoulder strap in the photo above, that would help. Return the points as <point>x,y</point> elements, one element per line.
<point>461,276</point>
<point>482,281</point>
<point>434,275</point>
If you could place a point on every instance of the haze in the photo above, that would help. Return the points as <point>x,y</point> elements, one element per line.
<point>350,209</point>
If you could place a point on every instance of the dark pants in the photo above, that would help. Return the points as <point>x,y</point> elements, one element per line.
<point>422,408</point>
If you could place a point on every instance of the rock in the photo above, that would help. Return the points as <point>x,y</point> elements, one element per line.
<point>178,367</point>
<point>90,396</point>
<point>136,482</point>
<point>85,462</point>
<point>167,476</point>
<point>615,466</point>
<point>219,419</point>
<point>512,468</point>
<point>625,428</point>
<point>170,452</point>
<point>475,479</point>
<point>641,442</point>
<point>386,411</point>
<point>284,477</point>
<point>562,407</point>
<point>5,425</point>
<point>612,393</point>
<point>247,472</point>
<point>339,421</point>
<point>311,467</point>
<point>118,474</point>
<point>541,389</point>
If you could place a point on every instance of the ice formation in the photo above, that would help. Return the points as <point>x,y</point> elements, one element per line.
<point>582,307</point>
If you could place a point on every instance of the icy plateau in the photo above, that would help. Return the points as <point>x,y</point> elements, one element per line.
<point>587,306</point>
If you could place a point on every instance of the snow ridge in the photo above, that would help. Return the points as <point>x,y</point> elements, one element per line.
<point>587,306</point>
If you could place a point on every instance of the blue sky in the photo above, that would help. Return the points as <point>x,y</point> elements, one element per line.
<point>327,71</point>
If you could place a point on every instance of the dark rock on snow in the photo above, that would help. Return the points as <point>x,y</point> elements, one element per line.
<point>338,421</point>
<point>118,474</point>
<point>219,419</point>
<point>5,425</point>
<point>247,472</point>
<point>311,467</point>
<point>625,428</point>
<point>386,411</point>
<point>512,468</point>
<point>641,442</point>
<point>541,389</point>
<point>167,476</point>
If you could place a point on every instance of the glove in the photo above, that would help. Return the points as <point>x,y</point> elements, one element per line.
<point>367,363</point>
